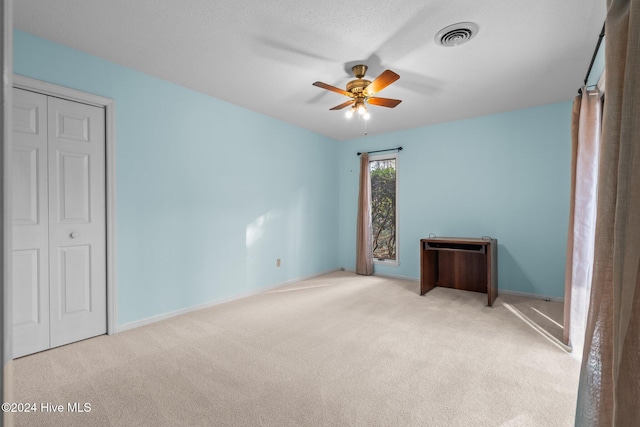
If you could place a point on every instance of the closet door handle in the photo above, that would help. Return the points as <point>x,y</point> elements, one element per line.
<point>73,235</point>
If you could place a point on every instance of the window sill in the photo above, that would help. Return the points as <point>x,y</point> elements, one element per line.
<point>388,263</point>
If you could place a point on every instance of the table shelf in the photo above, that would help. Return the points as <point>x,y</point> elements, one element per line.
<point>460,263</point>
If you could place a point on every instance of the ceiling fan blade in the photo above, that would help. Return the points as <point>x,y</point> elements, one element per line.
<point>384,102</point>
<point>383,80</point>
<point>344,104</point>
<point>333,89</point>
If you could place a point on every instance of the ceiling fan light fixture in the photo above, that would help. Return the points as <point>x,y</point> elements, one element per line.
<point>456,34</point>
<point>361,92</point>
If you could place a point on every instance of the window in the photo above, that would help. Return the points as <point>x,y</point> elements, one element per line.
<point>384,222</point>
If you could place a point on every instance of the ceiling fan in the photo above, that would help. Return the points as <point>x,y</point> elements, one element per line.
<point>362,91</point>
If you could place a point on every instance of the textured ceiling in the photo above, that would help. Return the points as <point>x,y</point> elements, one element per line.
<point>265,55</point>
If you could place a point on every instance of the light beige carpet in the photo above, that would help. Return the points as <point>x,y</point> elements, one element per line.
<point>338,350</point>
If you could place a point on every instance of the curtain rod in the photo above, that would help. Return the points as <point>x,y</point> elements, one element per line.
<point>380,151</point>
<point>593,58</point>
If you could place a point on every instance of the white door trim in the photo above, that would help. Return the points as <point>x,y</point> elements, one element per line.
<point>109,105</point>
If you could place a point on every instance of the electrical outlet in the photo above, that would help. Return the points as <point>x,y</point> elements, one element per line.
<point>278,262</point>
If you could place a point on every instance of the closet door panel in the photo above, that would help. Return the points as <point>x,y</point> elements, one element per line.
<point>30,259</point>
<point>77,235</point>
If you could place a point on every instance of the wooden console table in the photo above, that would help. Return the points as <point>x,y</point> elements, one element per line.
<point>460,263</point>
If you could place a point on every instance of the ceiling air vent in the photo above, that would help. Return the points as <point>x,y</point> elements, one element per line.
<point>456,34</point>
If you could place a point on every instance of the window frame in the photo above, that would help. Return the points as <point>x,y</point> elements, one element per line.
<point>376,261</point>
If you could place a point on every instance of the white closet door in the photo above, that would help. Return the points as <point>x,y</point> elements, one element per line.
<point>77,235</point>
<point>30,275</point>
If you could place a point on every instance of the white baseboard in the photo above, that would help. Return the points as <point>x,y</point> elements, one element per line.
<point>500,291</point>
<point>390,276</point>
<point>525,294</point>
<point>164,316</point>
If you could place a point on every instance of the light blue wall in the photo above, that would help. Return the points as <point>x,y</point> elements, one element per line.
<point>208,194</point>
<point>504,175</point>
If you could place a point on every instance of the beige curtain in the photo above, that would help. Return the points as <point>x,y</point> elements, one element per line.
<point>586,135</point>
<point>364,257</point>
<point>609,391</point>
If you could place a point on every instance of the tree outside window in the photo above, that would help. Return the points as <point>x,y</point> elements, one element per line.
<point>383,208</point>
